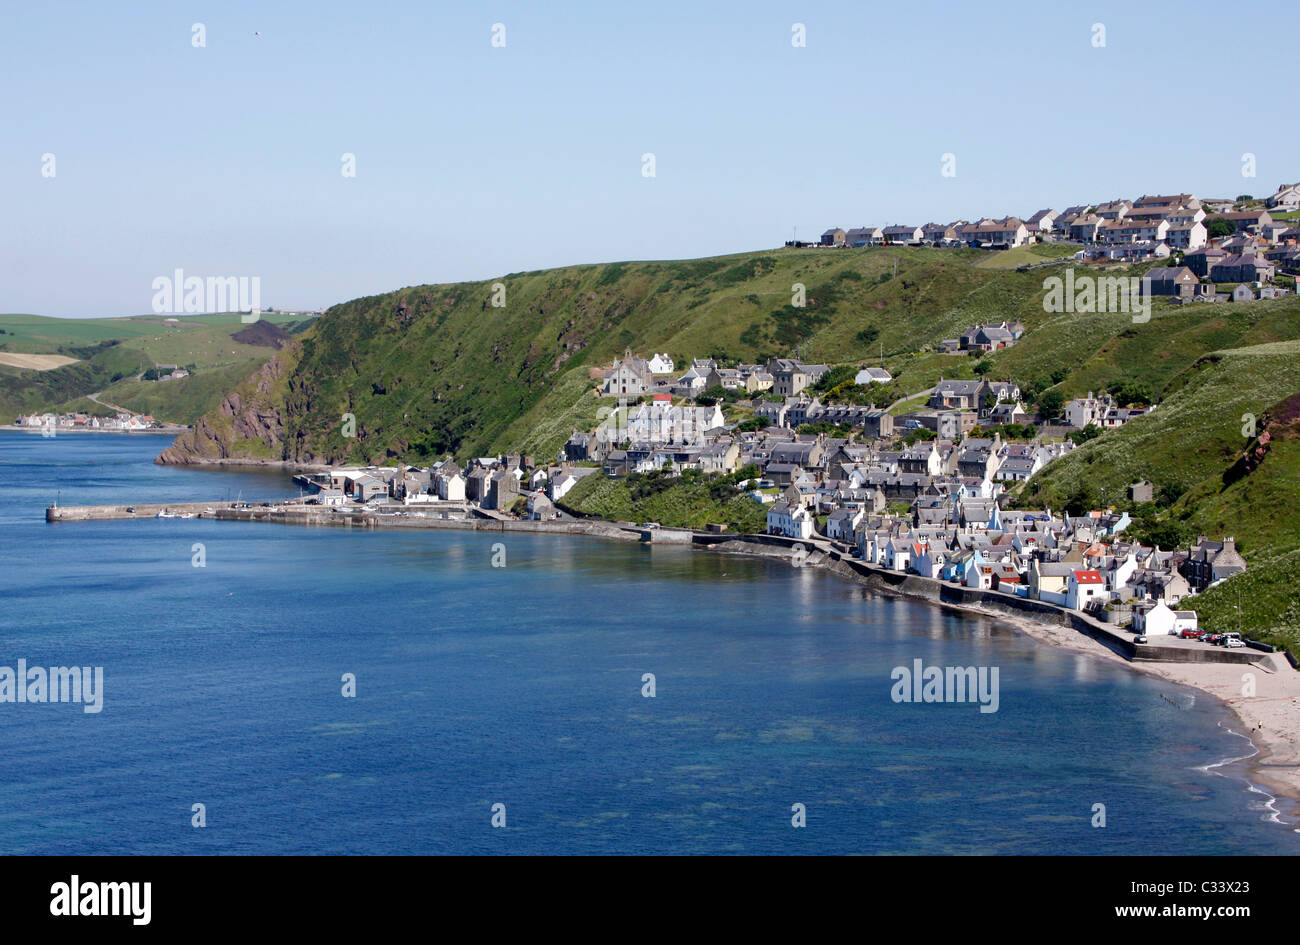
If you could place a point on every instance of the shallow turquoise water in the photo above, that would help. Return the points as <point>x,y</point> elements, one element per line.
<point>522,686</point>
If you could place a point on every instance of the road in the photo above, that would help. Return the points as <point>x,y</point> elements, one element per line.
<point>105,403</point>
<point>928,390</point>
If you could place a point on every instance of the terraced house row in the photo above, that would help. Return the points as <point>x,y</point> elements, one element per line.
<point>1150,227</point>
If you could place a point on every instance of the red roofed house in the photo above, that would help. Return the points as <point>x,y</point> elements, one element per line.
<point>1084,589</point>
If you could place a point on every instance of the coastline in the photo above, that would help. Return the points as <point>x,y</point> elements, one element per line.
<point>69,431</point>
<point>1269,720</point>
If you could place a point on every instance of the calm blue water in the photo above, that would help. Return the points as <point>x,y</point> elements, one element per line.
<point>522,686</point>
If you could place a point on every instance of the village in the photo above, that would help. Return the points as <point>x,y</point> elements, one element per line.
<point>49,423</point>
<point>1217,249</point>
<point>921,493</point>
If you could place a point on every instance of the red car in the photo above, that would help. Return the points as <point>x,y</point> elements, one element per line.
<point>1190,634</point>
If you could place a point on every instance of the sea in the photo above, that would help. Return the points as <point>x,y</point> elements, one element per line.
<point>272,689</point>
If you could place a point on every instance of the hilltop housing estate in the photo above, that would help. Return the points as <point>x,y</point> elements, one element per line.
<point>1219,241</point>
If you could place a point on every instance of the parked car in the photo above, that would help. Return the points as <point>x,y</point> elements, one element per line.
<point>1214,639</point>
<point>1234,642</point>
<point>1190,634</point>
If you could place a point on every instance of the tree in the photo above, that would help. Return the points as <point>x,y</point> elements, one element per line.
<point>1081,499</point>
<point>711,395</point>
<point>868,335</point>
<point>1051,403</point>
<point>1130,392</point>
<point>1219,227</point>
<point>982,367</point>
<point>835,377</point>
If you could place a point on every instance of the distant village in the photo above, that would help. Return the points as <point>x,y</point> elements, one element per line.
<point>122,422</point>
<point>1223,249</point>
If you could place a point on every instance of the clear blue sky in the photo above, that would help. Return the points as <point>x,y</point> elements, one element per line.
<point>474,161</point>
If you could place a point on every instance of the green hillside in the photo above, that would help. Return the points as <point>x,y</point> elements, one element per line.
<point>436,369</point>
<point>112,352</point>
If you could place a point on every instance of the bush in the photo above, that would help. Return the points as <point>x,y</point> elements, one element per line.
<point>1090,432</point>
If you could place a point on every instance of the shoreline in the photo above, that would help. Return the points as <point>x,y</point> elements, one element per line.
<point>67,431</point>
<point>1272,732</point>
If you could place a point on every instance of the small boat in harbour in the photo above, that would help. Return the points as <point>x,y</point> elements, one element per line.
<point>166,513</point>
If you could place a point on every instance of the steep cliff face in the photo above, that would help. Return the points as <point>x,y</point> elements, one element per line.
<point>248,426</point>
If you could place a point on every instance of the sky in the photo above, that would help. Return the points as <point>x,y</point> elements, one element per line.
<point>474,160</point>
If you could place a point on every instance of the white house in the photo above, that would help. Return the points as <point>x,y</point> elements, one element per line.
<point>979,575</point>
<point>1156,621</point>
<point>873,375</point>
<point>841,523</point>
<point>1286,198</point>
<point>1188,236</point>
<point>452,488</point>
<point>661,364</point>
<point>1084,588</point>
<point>561,483</point>
<point>928,561</point>
<point>794,522</point>
<point>1082,411</point>
<point>898,554</point>
<point>691,383</point>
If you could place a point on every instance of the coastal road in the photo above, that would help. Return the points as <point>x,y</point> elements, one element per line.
<point>105,403</point>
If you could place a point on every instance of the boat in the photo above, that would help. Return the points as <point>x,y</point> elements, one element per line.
<point>165,513</point>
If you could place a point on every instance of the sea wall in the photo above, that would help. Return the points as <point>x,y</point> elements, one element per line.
<point>995,602</point>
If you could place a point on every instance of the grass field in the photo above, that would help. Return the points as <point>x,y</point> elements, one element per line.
<point>35,362</point>
<point>83,356</point>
